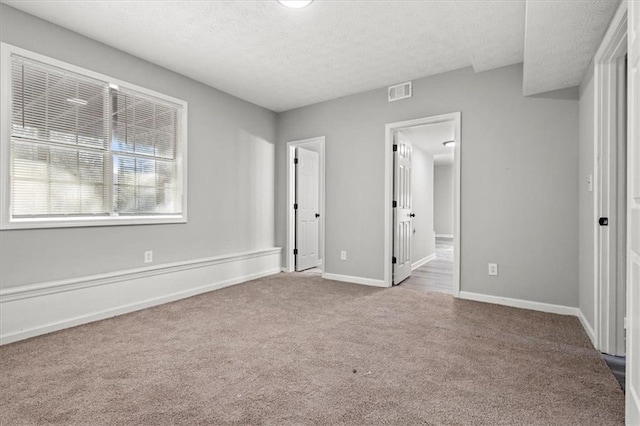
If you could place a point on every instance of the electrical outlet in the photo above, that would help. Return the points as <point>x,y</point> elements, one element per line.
<point>493,269</point>
<point>148,256</point>
<point>343,255</point>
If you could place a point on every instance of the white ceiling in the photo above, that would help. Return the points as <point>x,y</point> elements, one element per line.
<point>562,38</point>
<point>286,58</point>
<point>429,138</point>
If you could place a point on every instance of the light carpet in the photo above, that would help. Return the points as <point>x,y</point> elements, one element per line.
<point>296,349</point>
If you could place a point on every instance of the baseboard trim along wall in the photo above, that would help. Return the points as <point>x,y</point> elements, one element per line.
<point>520,303</point>
<point>534,306</point>
<point>424,260</point>
<point>32,310</point>
<point>450,236</point>
<point>357,280</point>
<point>587,327</point>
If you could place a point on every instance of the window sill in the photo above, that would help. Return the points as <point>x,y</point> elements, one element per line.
<point>79,222</point>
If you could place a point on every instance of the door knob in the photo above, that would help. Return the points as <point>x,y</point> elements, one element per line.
<point>412,215</point>
<point>317,215</point>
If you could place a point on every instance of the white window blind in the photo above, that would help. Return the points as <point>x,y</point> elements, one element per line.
<point>82,148</point>
<point>144,154</point>
<point>59,133</point>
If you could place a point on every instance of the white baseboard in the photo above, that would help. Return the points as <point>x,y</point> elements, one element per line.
<point>32,310</point>
<point>632,404</point>
<point>444,236</point>
<point>424,260</point>
<point>356,280</point>
<point>587,327</point>
<point>519,303</point>
<point>534,306</point>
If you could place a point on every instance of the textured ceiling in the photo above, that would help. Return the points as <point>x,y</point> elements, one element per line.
<point>562,38</point>
<point>494,32</point>
<point>283,58</point>
<point>430,137</point>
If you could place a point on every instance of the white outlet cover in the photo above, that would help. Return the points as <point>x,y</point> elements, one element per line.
<point>148,257</point>
<point>493,269</point>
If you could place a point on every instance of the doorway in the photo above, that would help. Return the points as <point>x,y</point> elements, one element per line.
<point>402,256</point>
<point>610,183</point>
<point>305,206</point>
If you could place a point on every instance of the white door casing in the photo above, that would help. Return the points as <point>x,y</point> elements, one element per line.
<point>610,178</point>
<point>402,215</point>
<point>620,267</point>
<point>621,212</point>
<point>316,144</point>
<point>389,173</point>
<point>611,201</point>
<point>308,209</point>
<point>633,217</point>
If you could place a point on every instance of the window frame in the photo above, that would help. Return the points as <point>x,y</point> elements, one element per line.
<point>7,222</point>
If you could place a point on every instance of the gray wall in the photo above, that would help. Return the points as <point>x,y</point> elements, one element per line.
<point>231,173</point>
<point>519,190</point>
<point>423,242</point>
<point>519,162</point>
<point>586,211</point>
<point>443,199</point>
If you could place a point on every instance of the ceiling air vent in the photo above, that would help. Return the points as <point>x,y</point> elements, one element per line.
<point>400,91</point>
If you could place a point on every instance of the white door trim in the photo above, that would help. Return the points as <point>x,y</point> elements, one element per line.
<point>612,47</point>
<point>632,384</point>
<point>388,192</point>
<point>291,223</point>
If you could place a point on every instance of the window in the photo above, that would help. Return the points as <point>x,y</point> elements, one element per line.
<point>82,149</point>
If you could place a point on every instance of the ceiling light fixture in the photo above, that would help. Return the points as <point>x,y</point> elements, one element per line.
<point>295,4</point>
<point>449,143</point>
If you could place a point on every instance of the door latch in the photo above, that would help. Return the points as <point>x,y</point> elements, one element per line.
<point>603,221</point>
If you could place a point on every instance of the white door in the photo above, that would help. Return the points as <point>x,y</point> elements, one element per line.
<point>402,228</point>
<point>307,208</point>
<point>633,218</point>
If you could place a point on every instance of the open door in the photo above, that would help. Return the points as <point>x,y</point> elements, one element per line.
<point>633,218</point>
<point>402,223</point>
<point>307,209</point>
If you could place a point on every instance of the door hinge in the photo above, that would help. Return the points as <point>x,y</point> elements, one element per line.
<point>295,251</point>
<point>395,203</point>
<point>394,260</point>
<point>395,147</point>
<point>603,221</point>
<point>295,206</point>
<point>295,161</point>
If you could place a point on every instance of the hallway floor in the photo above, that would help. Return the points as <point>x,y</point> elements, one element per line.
<point>437,275</point>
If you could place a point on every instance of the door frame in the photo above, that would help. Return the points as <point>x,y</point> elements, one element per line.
<point>291,188</point>
<point>390,128</point>
<point>613,46</point>
<point>632,400</point>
